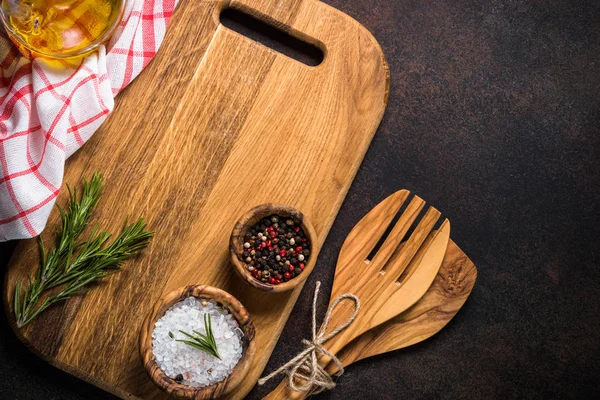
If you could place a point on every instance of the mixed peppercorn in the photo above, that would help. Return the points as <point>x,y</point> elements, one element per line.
<point>276,249</point>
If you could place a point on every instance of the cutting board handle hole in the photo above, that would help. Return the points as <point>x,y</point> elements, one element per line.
<point>272,37</point>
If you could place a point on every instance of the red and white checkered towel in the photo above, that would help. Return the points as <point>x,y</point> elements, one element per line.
<point>47,113</point>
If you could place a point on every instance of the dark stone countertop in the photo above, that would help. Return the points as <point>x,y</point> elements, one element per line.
<point>494,118</point>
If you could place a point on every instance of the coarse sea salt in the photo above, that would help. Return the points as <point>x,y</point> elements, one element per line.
<point>197,367</point>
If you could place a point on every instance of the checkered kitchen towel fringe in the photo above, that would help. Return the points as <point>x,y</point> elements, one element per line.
<point>46,113</point>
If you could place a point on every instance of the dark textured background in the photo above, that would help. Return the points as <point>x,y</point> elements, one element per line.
<point>493,118</point>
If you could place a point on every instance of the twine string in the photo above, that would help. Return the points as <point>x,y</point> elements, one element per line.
<point>305,366</point>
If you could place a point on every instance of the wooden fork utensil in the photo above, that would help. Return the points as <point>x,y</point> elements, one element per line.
<point>449,291</point>
<point>390,282</point>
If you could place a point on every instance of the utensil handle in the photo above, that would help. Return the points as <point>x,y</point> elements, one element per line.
<point>282,391</point>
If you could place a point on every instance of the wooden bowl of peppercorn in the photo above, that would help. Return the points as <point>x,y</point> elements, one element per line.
<point>273,247</point>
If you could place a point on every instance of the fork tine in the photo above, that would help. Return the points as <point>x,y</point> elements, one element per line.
<point>419,257</point>
<point>401,259</point>
<point>422,271</point>
<point>365,235</point>
<point>397,234</point>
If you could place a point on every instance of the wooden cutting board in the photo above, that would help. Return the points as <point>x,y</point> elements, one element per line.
<point>215,125</point>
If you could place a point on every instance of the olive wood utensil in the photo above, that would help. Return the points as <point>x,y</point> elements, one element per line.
<point>395,278</point>
<point>449,291</point>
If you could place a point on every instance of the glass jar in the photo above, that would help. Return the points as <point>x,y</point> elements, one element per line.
<point>60,28</point>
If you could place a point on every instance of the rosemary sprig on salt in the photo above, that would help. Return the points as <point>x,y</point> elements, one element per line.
<point>188,364</point>
<point>200,341</point>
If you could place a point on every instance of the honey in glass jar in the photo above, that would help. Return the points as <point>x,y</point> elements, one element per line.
<point>60,28</point>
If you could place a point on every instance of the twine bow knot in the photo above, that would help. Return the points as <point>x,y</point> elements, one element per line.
<point>305,366</point>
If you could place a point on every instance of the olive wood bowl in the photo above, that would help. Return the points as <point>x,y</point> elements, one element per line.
<point>247,221</point>
<point>219,389</point>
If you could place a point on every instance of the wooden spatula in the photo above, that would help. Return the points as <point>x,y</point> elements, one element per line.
<point>447,294</point>
<point>391,281</point>
<point>449,291</point>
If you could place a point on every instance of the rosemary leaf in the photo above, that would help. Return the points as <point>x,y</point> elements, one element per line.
<point>17,304</point>
<point>72,265</point>
<point>204,342</point>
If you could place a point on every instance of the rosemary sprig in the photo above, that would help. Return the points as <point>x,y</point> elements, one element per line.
<point>206,343</point>
<point>72,264</point>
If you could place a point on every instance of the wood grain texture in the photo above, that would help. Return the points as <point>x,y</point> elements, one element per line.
<point>219,389</point>
<point>215,125</point>
<point>447,294</point>
<point>449,291</point>
<point>247,221</point>
<point>399,273</point>
<point>389,283</point>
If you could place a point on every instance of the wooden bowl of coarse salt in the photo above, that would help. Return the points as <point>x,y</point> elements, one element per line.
<point>198,343</point>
